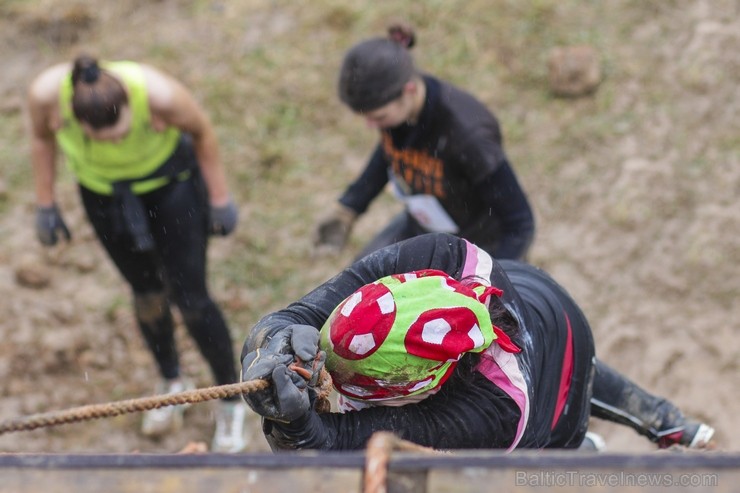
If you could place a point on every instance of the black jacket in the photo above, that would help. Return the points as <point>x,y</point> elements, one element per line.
<point>469,411</point>
<point>455,153</point>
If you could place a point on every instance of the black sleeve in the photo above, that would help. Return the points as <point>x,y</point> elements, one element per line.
<point>431,251</point>
<point>480,150</point>
<point>368,185</point>
<point>501,192</point>
<point>468,412</point>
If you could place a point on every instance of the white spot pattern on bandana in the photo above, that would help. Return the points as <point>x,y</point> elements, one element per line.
<point>386,304</point>
<point>435,331</point>
<point>351,303</point>
<point>362,343</point>
<point>476,336</point>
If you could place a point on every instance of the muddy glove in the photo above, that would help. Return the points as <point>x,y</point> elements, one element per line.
<point>223,219</point>
<point>292,362</point>
<point>305,343</point>
<point>290,394</point>
<point>333,230</point>
<point>48,222</point>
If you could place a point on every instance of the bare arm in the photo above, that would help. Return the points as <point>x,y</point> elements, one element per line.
<point>41,116</point>
<point>173,105</point>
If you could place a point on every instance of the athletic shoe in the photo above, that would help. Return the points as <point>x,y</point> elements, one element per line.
<point>593,442</point>
<point>692,435</point>
<point>229,436</point>
<point>163,420</point>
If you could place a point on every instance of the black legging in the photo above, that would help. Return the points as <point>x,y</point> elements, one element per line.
<point>618,399</point>
<point>175,270</point>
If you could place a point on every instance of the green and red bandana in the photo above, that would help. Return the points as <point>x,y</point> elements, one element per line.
<point>404,334</point>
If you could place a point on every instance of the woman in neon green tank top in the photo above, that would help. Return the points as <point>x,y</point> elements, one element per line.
<point>152,184</point>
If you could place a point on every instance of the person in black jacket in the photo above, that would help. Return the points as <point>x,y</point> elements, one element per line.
<point>433,339</point>
<point>441,149</point>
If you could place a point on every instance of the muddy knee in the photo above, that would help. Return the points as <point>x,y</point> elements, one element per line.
<point>151,307</point>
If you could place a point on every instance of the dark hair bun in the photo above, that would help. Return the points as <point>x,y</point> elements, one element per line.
<point>402,34</point>
<point>85,69</point>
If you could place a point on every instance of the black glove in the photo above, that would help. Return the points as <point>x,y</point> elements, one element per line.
<point>291,360</point>
<point>333,230</point>
<point>48,221</point>
<point>223,219</point>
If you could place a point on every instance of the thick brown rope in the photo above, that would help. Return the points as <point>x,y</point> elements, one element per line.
<point>378,455</point>
<point>378,451</point>
<point>109,409</point>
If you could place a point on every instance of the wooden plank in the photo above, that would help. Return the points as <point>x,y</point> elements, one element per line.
<point>180,481</point>
<point>269,473</point>
<point>459,472</point>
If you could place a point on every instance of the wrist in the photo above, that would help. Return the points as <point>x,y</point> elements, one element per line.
<point>47,203</point>
<point>295,425</point>
<point>345,212</point>
<point>220,201</point>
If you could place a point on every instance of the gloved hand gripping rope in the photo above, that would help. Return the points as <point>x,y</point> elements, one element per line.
<point>379,448</point>
<point>110,409</point>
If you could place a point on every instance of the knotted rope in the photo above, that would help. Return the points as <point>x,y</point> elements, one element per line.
<point>109,409</point>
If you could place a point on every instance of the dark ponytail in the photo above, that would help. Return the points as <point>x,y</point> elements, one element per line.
<point>97,96</point>
<point>374,72</point>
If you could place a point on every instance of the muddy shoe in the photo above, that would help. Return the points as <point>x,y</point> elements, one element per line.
<point>159,422</point>
<point>229,435</point>
<point>691,435</point>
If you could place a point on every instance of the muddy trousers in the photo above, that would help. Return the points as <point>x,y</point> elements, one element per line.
<point>617,399</point>
<point>174,272</point>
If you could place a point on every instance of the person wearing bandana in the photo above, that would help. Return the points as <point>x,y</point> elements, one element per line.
<point>434,340</point>
<point>146,160</point>
<point>440,148</point>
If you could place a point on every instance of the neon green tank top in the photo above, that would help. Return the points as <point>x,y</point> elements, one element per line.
<point>97,164</point>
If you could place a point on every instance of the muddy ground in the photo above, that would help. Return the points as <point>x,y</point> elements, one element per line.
<point>636,191</point>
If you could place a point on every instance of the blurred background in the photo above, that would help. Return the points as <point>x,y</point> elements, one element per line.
<point>634,179</point>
